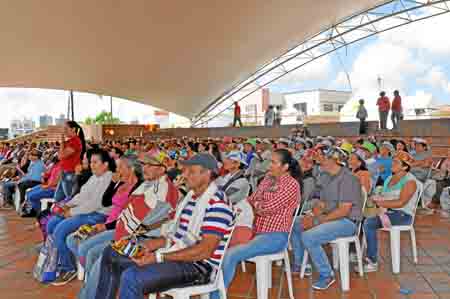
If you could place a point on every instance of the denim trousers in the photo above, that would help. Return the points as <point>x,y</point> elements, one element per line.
<point>8,190</point>
<point>60,228</point>
<point>261,244</point>
<point>35,195</point>
<point>372,224</point>
<point>64,188</point>
<point>313,239</point>
<point>135,281</point>
<point>81,248</point>
<point>92,267</point>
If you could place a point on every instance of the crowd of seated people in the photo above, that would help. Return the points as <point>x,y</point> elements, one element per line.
<point>143,216</point>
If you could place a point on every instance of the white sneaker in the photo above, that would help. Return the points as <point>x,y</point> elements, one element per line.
<point>370,266</point>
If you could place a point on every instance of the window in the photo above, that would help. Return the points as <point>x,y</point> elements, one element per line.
<point>328,107</point>
<point>251,108</point>
<point>340,106</point>
<point>301,107</point>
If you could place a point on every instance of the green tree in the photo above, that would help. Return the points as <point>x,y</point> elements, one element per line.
<point>102,118</point>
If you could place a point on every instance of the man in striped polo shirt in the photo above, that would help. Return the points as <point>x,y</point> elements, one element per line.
<point>189,253</point>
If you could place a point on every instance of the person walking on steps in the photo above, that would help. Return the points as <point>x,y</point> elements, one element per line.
<point>237,114</point>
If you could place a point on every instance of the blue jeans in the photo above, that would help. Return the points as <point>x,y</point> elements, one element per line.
<point>35,195</point>
<point>81,248</point>
<point>313,239</point>
<point>64,188</point>
<point>134,281</point>
<point>8,190</point>
<point>372,224</point>
<point>60,228</point>
<point>92,268</point>
<point>261,244</point>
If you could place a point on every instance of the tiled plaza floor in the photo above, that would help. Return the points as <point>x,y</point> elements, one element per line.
<point>430,278</point>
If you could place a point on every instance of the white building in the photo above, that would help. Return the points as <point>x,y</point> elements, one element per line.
<point>319,102</point>
<point>20,127</point>
<point>253,108</point>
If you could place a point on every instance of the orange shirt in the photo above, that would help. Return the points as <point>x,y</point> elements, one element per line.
<point>397,104</point>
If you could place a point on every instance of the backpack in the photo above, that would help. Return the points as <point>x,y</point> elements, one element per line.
<point>43,219</point>
<point>45,268</point>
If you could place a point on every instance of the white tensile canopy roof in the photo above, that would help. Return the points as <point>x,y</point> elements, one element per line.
<point>175,55</point>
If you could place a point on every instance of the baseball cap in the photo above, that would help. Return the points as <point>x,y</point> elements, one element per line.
<point>404,157</point>
<point>284,140</point>
<point>388,145</point>
<point>419,140</point>
<point>251,141</point>
<point>152,159</point>
<point>348,147</point>
<point>369,147</point>
<point>236,156</point>
<point>204,160</point>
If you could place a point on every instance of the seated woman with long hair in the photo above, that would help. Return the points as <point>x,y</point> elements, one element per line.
<point>397,201</point>
<point>274,203</point>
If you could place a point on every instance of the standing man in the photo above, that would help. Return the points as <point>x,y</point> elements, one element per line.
<point>362,116</point>
<point>396,113</point>
<point>237,114</point>
<point>383,109</point>
<point>269,116</point>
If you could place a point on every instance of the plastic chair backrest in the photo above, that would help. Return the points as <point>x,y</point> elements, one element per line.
<point>227,243</point>
<point>418,195</point>
<point>364,197</point>
<point>298,209</point>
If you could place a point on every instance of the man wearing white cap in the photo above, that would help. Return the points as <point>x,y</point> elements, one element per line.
<point>234,183</point>
<point>422,160</point>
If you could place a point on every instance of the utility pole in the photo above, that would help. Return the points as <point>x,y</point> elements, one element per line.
<point>72,114</point>
<point>110,104</point>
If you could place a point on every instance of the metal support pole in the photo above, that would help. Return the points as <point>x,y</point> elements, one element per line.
<point>110,104</point>
<point>72,114</point>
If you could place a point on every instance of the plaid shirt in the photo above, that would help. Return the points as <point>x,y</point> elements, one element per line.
<point>277,200</point>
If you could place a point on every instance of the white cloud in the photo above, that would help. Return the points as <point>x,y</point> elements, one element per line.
<point>436,78</point>
<point>17,103</point>
<point>428,35</point>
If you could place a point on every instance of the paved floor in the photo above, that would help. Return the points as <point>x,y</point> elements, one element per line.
<point>430,278</point>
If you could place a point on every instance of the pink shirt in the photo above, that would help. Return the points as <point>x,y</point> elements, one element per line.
<point>54,175</point>
<point>120,201</point>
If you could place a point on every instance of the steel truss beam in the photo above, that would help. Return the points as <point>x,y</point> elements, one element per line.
<point>390,15</point>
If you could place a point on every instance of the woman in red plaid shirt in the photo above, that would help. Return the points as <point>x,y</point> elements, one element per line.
<point>274,203</point>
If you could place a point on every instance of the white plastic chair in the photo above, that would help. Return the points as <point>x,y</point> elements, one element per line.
<point>394,232</point>
<point>17,204</point>
<point>202,290</point>
<point>80,271</point>
<point>264,268</point>
<point>341,256</point>
<point>45,202</point>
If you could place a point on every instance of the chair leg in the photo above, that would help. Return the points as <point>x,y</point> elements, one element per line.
<point>269,275</point>
<point>222,289</point>
<point>287,266</point>
<point>243,266</point>
<point>359,255</point>
<point>414,245</point>
<point>262,281</point>
<point>304,262</point>
<point>80,271</point>
<point>335,256</point>
<point>395,250</point>
<point>343,254</point>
